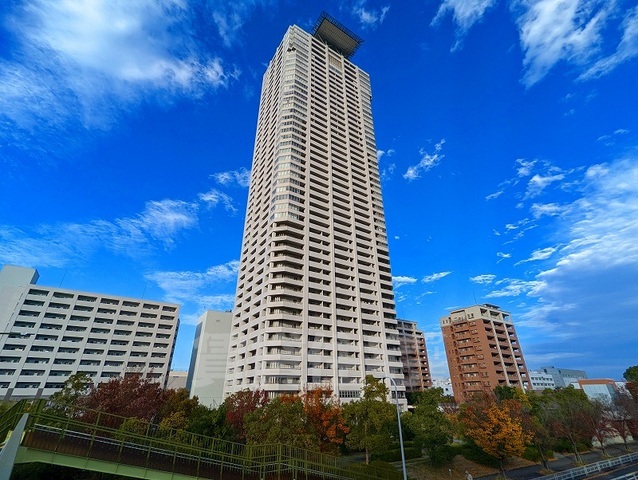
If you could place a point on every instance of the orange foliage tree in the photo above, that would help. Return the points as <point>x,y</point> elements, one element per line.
<point>496,427</point>
<point>325,415</point>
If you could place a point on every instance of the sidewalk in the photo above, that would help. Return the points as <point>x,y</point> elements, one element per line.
<point>564,462</point>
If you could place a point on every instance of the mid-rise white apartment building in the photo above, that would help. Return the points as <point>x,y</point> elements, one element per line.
<point>314,303</point>
<point>49,334</point>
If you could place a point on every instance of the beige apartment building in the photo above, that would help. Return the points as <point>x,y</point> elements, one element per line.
<point>314,303</point>
<point>482,351</point>
<point>414,355</point>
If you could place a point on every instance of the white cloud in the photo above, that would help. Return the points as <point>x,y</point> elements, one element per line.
<point>428,161</point>
<point>559,30</point>
<point>214,196</point>
<point>627,48</point>
<point>193,288</point>
<point>57,245</point>
<point>434,277</point>
<point>539,254</point>
<point>494,195</point>
<point>511,287</point>
<point>524,167</point>
<point>399,280</point>
<point>546,209</point>
<point>82,64</point>
<point>369,17</point>
<point>483,279</point>
<point>465,13</point>
<point>538,183</point>
<point>502,256</point>
<point>241,177</point>
<point>592,282</point>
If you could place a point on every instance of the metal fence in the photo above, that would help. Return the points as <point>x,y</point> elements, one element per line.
<point>597,467</point>
<point>97,435</point>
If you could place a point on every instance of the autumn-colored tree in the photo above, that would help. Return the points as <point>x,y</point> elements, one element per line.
<point>569,416</point>
<point>325,415</point>
<point>238,405</point>
<point>281,420</point>
<point>177,408</point>
<point>622,412</point>
<point>600,422</point>
<point>370,419</point>
<point>128,396</point>
<point>496,427</point>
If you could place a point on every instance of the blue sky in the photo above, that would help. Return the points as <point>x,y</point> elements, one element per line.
<point>507,135</point>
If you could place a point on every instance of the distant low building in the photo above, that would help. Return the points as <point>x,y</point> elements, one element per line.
<point>177,379</point>
<point>564,377</point>
<point>602,389</point>
<point>541,380</point>
<point>49,334</point>
<point>445,385</point>
<point>210,357</point>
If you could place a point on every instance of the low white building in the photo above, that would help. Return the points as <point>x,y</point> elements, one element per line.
<point>541,380</point>
<point>210,357</point>
<point>49,334</point>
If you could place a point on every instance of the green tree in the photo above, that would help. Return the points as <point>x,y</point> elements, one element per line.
<point>370,419</point>
<point>631,374</point>
<point>76,387</point>
<point>429,426</point>
<point>281,420</point>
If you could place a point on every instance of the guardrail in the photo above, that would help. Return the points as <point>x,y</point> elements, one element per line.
<point>96,435</point>
<point>600,466</point>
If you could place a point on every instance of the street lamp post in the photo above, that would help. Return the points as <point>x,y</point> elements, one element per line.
<point>396,399</point>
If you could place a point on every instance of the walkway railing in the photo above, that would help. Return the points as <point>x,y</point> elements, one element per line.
<point>96,435</point>
<point>592,468</point>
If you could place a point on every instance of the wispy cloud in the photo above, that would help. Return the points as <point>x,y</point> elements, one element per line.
<point>367,16</point>
<point>483,279</point>
<point>240,177</point>
<point>546,209</point>
<point>465,14</point>
<point>434,277</point>
<point>512,287</point>
<point>57,245</point>
<point>83,64</point>
<point>627,48</point>
<point>565,30</point>
<point>428,161</point>
<point>214,197</point>
<point>539,254</point>
<point>538,183</point>
<point>399,280</point>
<point>193,288</point>
<point>502,256</point>
<point>494,195</point>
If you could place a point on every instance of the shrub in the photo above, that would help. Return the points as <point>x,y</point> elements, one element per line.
<point>395,454</point>
<point>377,468</point>
<point>474,454</point>
<point>441,455</point>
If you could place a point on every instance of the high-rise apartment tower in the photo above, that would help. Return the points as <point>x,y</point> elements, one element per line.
<point>482,351</point>
<point>314,302</point>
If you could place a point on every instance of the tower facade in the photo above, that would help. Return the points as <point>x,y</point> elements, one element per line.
<point>314,303</point>
<point>482,351</point>
<point>414,355</point>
